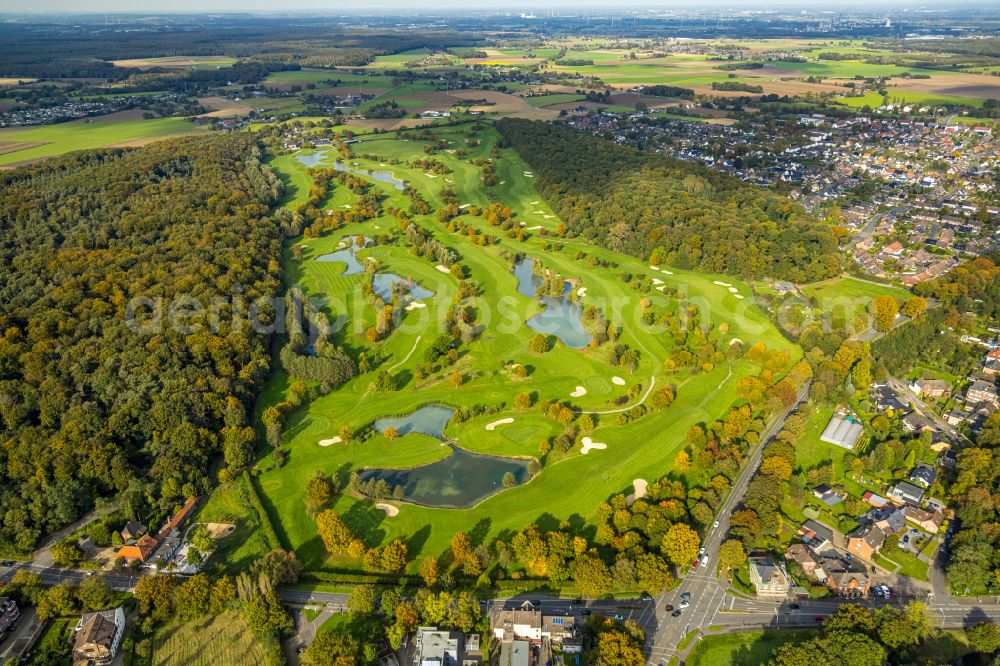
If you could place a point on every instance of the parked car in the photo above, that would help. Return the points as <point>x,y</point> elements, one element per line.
<point>676,613</point>
<point>576,602</point>
<point>585,611</point>
<point>646,596</point>
<point>668,607</point>
<point>818,618</point>
<point>685,603</point>
<point>715,524</point>
<point>794,606</point>
<point>877,590</point>
<point>619,617</point>
<point>694,565</point>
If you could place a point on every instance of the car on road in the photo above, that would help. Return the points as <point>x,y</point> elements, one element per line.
<point>694,565</point>
<point>818,618</point>
<point>704,561</point>
<point>715,524</point>
<point>7,563</point>
<point>619,617</point>
<point>646,596</point>
<point>794,606</point>
<point>576,602</point>
<point>676,613</point>
<point>668,607</point>
<point>585,611</point>
<point>685,603</point>
<point>701,552</point>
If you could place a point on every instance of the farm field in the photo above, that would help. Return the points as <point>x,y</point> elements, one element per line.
<point>220,639</point>
<point>569,488</point>
<point>119,129</point>
<point>172,62</point>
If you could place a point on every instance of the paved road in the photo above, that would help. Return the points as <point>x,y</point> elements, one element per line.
<point>902,389</point>
<point>708,595</point>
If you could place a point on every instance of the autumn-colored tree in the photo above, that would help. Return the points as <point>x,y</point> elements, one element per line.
<point>334,532</point>
<point>884,309</point>
<point>461,548</point>
<point>390,433</point>
<point>429,571</point>
<point>731,555</point>
<point>680,544</point>
<point>682,462</point>
<point>914,306</point>
<point>319,492</point>
<point>524,401</point>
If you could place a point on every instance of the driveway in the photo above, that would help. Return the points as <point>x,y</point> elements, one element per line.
<point>305,631</point>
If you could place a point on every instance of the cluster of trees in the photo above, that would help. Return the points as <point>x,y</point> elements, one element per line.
<point>671,211</point>
<point>100,391</point>
<point>737,86</point>
<point>855,636</point>
<point>974,559</point>
<point>310,353</point>
<point>339,539</point>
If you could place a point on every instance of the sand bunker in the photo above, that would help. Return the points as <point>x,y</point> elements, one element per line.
<point>662,287</point>
<point>739,296</point>
<point>534,203</point>
<point>589,444</point>
<point>415,305</point>
<point>617,381</point>
<point>372,259</point>
<point>464,206</point>
<point>534,228</point>
<point>328,442</point>
<point>500,422</point>
<point>639,490</point>
<point>220,530</point>
<point>390,509</point>
<point>581,292</point>
<point>733,290</point>
<point>579,392</point>
<point>666,272</point>
<point>657,281</point>
<point>722,284</point>
<point>443,269</point>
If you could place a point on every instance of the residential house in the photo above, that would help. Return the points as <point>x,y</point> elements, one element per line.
<point>923,476</point>
<point>906,493</point>
<point>931,388</point>
<point>437,648</point>
<point>98,636</point>
<point>915,421</point>
<point>948,459</point>
<point>9,614</point>
<point>888,519</point>
<point>980,391</point>
<point>824,493</point>
<point>770,580</point>
<point>559,628</point>
<point>511,625</point>
<point>138,551</point>
<point>848,579</point>
<point>805,558</point>
<point>928,521</point>
<point>865,541</point>
<point>893,249</point>
<point>816,536</point>
<point>516,653</point>
<point>133,530</point>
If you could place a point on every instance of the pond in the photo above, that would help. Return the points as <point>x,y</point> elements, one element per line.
<point>429,420</point>
<point>348,255</point>
<point>316,159</point>
<point>382,285</point>
<point>461,480</point>
<point>561,317</point>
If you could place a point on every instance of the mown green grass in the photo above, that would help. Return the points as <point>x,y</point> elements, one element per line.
<point>848,296</point>
<point>555,98</point>
<point>568,489</point>
<point>81,135</point>
<point>748,648</point>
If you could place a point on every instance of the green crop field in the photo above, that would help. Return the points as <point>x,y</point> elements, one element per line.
<point>98,133</point>
<point>572,486</point>
<point>556,98</point>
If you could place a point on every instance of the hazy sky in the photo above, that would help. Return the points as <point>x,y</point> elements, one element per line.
<point>343,6</point>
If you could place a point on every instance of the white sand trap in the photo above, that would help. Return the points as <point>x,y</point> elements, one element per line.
<point>346,206</point>
<point>503,182</point>
<point>448,180</point>
<point>579,392</point>
<point>638,492</point>
<point>735,341</point>
<point>430,175</point>
<point>534,203</point>
<point>372,259</point>
<point>328,442</point>
<point>500,422</point>
<point>655,268</point>
<point>733,290</point>
<point>548,217</point>
<point>464,206</point>
<point>375,226</point>
<point>341,245</point>
<point>581,292</point>
<point>535,228</point>
<point>662,287</point>
<point>657,281</point>
<point>739,296</point>
<point>666,272</point>
<point>722,284</point>
<point>617,381</point>
<point>390,509</point>
<point>589,444</point>
<point>528,175</point>
<point>415,305</point>
<point>538,212</point>
<point>443,269</point>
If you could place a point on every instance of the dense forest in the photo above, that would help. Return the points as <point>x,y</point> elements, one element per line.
<point>92,402</point>
<point>670,211</point>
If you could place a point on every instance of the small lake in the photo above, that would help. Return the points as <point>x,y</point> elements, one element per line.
<point>561,317</point>
<point>382,285</point>
<point>461,480</point>
<point>348,256</point>
<point>429,420</point>
<point>317,158</point>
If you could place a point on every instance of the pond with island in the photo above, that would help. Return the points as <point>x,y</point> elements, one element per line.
<point>561,317</point>
<point>460,480</point>
<point>317,159</point>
